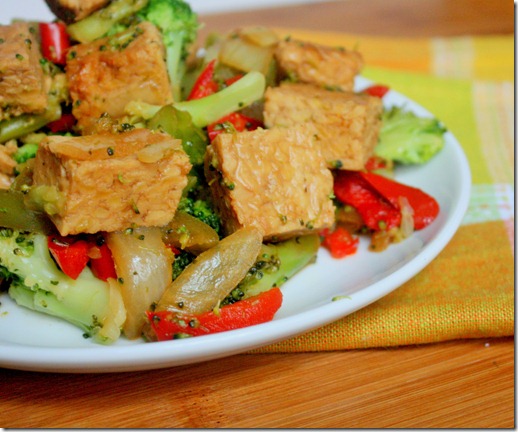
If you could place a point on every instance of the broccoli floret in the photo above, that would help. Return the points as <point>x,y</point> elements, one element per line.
<point>25,152</point>
<point>275,264</point>
<point>179,27</point>
<point>36,282</point>
<point>182,260</point>
<point>409,139</point>
<point>209,109</point>
<point>202,210</point>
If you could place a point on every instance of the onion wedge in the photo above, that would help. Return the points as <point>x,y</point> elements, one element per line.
<point>144,270</point>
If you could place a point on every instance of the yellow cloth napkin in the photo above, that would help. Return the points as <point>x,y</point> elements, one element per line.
<point>468,290</point>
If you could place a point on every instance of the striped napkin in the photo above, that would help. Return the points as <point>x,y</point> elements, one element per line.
<point>468,290</point>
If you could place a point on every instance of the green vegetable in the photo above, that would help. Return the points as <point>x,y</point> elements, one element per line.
<point>25,152</point>
<point>209,109</point>
<point>181,261</point>
<point>19,126</point>
<point>213,274</point>
<point>102,21</point>
<point>187,232</point>
<point>14,214</point>
<point>38,284</point>
<point>179,27</point>
<point>24,124</point>
<point>275,264</point>
<point>407,138</point>
<point>202,210</point>
<point>179,125</point>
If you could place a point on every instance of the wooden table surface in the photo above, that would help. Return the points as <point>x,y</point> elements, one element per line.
<point>468,384</point>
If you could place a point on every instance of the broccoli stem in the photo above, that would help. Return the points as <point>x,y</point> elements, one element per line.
<point>277,263</point>
<point>240,94</point>
<point>175,68</point>
<point>26,123</point>
<point>209,109</point>
<point>101,21</point>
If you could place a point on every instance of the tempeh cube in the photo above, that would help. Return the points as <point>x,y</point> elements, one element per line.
<point>275,180</point>
<point>318,64</point>
<point>107,74</point>
<point>23,84</point>
<point>347,123</point>
<point>110,182</point>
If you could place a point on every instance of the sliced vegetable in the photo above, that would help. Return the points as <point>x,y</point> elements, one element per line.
<point>24,124</point>
<point>380,201</point>
<point>15,215</point>
<point>377,213</point>
<point>209,109</point>
<point>189,233</point>
<point>276,263</point>
<point>348,217</point>
<point>70,254</point>
<point>377,90</point>
<point>205,84</point>
<point>179,125</point>
<point>424,206</point>
<point>101,21</point>
<point>64,124</point>
<point>248,52</point>
<point>241,93</point>
<point>101,262</point>
<point>339,242</point>
<point>259,35</point>
<point>144,270</point>
<point>233,122</point>
<point>255,310</point>
<point>213,274</point>
<point>54,42</point>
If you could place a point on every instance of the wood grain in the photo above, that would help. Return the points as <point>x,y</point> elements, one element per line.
<point>380,17</point>
<point>426,386</point>
<point>461,384</point>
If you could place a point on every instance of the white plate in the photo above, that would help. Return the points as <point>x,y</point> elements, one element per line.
<point>32,341</point>
<point>36,342</point>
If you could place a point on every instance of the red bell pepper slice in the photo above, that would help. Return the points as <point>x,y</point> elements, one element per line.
<point>377,213</point>
<point>377,90</point>
<point>254,310</point>
<point>70,254</point>
<point>64,124</point>
<point>204,84</point>
<point>425,207</point>
<point>239,121</point>
<point>339,242</point>
<point>54,42</point>
<point>103,266</point>
<point>232,80</point>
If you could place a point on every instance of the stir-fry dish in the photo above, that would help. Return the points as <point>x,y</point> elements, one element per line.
<point>156,186</point>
